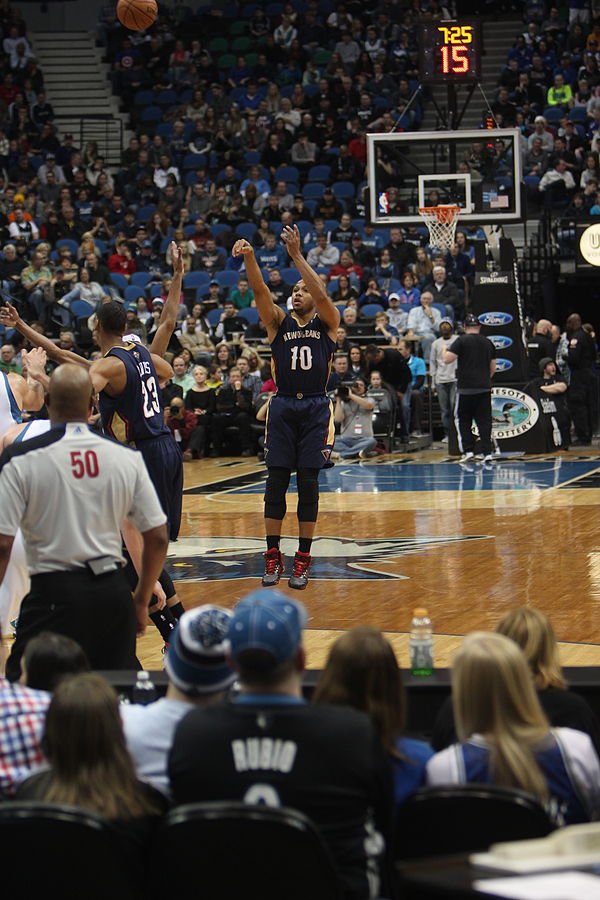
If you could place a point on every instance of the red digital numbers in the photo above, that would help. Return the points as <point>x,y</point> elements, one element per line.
<point>84,464</point>
<point>455,59</point>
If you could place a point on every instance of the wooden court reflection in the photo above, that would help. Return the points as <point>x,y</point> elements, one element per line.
<point>481,551</point>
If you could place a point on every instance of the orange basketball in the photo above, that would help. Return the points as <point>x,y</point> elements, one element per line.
<point>137,14</point>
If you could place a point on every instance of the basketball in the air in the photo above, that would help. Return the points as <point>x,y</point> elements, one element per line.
<point>137,14</point>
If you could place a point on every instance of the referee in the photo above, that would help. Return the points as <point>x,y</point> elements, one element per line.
<point>476,357</point>
<point>69,491</point>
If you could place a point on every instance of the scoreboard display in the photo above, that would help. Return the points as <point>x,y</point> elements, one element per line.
<point>449,51</point>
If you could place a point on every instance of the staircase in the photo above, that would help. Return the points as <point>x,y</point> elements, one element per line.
<point>77,86</point>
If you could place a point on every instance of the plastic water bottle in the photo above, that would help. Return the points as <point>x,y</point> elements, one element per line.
<point>144,691</point>
<point>421,643</point>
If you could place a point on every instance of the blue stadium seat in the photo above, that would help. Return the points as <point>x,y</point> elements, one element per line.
<point>246,230</point>
<point>304,228</point>
<point>119,281</point>
<point>218,230</point>
<point>313,190</point>
<point>141,279</point>
<point>168,97</point>
<point>165,130</point>
<point>553,114</point>
<point>196,279</point>
<point>578,114</point>
<point>441,309</point>
<point>340,245</point>
<point>251,157</point>
<point>67,242</point>
<point>330,224</point>
<point>227,278</point>
<point>194,160</point>
<point>343,190</point>
<point>151,114</point>
<point>214,315</point>
<point>319,173</point>
<point>132,292</point>
<point>532,180</point>
<point>190,179</point>
<point>369,310</point>
<point>286,173</point>
<point>155,290</point>
<point>145,212</point>
<point>143,98</point>
<point>80,309</point>
<point>250,314</point>
<point>290,275</point>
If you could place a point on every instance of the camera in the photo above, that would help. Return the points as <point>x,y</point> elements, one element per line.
<point>343,392</point>
<point>174,410</point>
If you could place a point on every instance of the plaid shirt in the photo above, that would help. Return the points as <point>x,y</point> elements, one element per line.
<point>22,714</point>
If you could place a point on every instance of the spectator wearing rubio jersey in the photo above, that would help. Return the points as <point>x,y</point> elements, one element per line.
<point>476,357</point>
<point>325,761</point>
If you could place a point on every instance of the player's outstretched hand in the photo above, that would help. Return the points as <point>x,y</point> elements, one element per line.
<point>36,361</point>
<point>177,259</point>
<point>9,315</point>
<point>291,237</point>
<point>242,248</point>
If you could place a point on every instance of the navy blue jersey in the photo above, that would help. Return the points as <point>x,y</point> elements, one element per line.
<point>137,413</point>
<point>301,357</point>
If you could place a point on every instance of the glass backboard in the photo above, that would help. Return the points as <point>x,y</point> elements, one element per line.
<point>478,170</point>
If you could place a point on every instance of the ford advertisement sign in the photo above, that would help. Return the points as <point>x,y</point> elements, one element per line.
<point>495,318</point>
<point>503,365</point>
<point>500,341</point>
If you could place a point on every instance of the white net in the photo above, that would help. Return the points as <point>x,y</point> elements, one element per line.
<point>441,222</point>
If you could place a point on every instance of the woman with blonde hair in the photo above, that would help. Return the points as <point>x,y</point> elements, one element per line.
<point>505,738</point>
<point>362,672</point>
<point>532,631</point>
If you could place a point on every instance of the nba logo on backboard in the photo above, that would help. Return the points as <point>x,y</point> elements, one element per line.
<point>384,203</point>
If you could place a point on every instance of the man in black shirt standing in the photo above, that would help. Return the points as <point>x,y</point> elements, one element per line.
<point>269,746</point>
<point>476,357</point>
<point>580,357</point>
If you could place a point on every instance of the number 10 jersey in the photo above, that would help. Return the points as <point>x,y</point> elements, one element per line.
<point>301,357</point>
<point>137,413</point>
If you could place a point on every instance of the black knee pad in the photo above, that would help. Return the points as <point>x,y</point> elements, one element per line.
<point>275,490</point>
<point>308,494</point>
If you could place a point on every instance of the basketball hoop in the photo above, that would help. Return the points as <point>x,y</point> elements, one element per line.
<point>441,222</point>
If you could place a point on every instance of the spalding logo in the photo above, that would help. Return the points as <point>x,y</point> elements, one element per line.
<point>495,318</point>
<point>502,365</point>
<point>499,341</point>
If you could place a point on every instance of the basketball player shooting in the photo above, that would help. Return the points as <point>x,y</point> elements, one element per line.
<point>300,430</point>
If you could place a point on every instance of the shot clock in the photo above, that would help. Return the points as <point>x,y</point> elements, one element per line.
<point>449,52</point>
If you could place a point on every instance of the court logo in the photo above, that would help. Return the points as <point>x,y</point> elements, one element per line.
<point>499,341</point>
<point>199,559</point>
<point>503,365</point>
<point>513,413</point>
<point>495,318</point>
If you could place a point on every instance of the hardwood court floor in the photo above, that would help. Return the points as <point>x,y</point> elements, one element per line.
<point>407,530</point>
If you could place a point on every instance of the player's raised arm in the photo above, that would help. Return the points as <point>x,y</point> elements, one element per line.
<point>10,317</point>
<point>328,312</point>
<point>168,319</point>
<point>270,314</point>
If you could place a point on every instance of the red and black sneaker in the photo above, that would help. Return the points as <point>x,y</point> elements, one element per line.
<point>300,572</point>
<point>273,567</point>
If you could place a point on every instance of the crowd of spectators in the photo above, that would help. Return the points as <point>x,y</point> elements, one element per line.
<point>243,123</point>
<point>235,682</point>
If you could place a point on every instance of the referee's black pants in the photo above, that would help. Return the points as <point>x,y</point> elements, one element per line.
<point>478,407</point>
<point>96,611</point>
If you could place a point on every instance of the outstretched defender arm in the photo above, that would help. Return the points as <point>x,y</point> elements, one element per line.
<point>271,315</point>
<point>11,318</point>
<point>328,312</point>
<point>168,319</point>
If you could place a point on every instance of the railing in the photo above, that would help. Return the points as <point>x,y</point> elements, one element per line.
<point>106,130</point>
